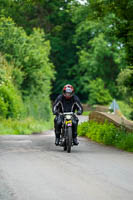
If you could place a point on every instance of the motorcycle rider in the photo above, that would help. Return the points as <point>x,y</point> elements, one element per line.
<point>66,102</point>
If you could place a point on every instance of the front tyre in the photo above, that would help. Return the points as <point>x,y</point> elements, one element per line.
<point>65,146</point>
<point>69,139</point>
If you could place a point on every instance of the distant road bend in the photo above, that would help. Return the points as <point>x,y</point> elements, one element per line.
<point>33,168</point>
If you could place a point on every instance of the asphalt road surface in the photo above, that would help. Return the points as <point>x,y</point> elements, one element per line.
<point>33,168</point>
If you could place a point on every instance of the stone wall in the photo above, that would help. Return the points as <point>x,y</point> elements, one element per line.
<point>99,108</point>
<point>112,118</point>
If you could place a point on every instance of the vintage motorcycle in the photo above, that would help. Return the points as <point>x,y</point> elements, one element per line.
<point>66,139</point>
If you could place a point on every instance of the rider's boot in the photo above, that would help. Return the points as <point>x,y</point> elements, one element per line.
<point>75,141</point>
<point>57,138</point>
<point>57,141</point>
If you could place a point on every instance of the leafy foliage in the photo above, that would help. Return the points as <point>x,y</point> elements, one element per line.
<point>88,41</point>
<point>30,55</point>
<point>123,22</point>
<point>11,104</point>
<point>125,108</point>
<point>97,93</point>
<point>100,52</point>
<point>32,71</point>
<point>39,107</point>
<point>125,86</point>
<point>125,82</point>
<point>107,134</point>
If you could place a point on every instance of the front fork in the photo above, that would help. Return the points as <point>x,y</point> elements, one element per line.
<point>64,136</point>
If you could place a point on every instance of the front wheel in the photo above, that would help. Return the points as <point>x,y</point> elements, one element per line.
<point>65,146</point>
<point>69,139</point>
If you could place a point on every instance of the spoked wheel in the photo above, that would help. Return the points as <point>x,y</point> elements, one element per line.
<point>69,139</point>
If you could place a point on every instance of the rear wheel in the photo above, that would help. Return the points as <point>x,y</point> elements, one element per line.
<point>69,139</point>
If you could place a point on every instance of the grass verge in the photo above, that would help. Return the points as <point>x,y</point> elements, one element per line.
<point>86,113</point>
<point>21,127</point>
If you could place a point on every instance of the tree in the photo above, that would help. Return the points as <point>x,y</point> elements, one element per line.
<point>33,70</point>
<point>29,54</point>
<point>125,86</point>
<point>87,41</point>
<point>54,17</point>
<point>100,53</point>
<point>97,93</point>
<point>124,15</point>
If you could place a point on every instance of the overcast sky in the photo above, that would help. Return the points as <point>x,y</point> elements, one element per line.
<point>82,1</point>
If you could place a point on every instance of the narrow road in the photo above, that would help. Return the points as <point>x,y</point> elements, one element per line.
<point>33,168</point>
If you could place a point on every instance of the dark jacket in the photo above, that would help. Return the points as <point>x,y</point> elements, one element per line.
<point>62,104</point>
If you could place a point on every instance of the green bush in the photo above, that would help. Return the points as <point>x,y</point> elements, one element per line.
<point>97,93</point>
<point>125,109</point>
<point>3,107</point>
<point>39,107</point>
<point>125,142</point>
<point>11,104</point>
<point>32,70</point>
<point>18,77</point>
<point>125,87</point>
<point>82,130</point>
<point>107,134</point>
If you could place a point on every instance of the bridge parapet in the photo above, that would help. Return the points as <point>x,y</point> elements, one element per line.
<point>118,121</point>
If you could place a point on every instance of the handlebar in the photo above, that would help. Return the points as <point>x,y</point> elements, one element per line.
<point>68,113</point>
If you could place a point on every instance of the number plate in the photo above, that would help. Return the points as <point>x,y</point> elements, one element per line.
<point>69,123</point>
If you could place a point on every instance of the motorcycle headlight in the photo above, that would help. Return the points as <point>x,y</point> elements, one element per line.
<point>68,116</point>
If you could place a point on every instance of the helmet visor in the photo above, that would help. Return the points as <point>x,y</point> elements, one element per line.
<point>68,92</point>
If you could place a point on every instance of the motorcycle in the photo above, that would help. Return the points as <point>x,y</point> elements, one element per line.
<point>66,139</point>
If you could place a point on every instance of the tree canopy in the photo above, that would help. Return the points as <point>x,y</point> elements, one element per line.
<point>85,42</point>
<point>32,70</point>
